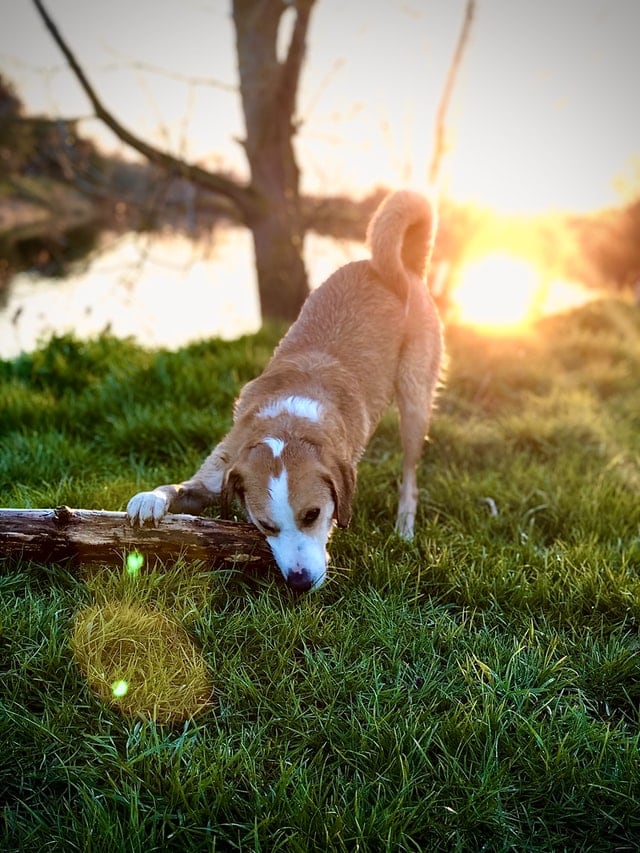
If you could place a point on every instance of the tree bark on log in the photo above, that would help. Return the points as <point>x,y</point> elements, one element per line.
<point>95,536</point>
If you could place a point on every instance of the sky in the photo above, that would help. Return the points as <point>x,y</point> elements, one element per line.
<point>544,114</point>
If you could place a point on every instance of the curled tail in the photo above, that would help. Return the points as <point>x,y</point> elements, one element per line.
<point>401,236</point>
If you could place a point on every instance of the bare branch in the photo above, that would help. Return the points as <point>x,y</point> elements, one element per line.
<point>290,74</point>
<point>243,196</point>
<point>443,107</point>
<point>210,82</point>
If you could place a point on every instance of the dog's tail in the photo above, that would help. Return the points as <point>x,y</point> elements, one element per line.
<point>401,236</point>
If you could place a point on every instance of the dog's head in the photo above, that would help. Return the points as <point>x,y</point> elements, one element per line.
<point>293,491</point>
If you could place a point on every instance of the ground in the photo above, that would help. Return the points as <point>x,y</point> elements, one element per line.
<point>478,689</point>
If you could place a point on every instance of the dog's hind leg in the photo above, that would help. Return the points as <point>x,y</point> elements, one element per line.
<point>416,382</point>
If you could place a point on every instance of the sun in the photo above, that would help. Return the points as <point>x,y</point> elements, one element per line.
<point>501,293</point>
<point>497,293</point>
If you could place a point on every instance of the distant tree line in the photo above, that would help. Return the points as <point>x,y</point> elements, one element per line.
<point>39,146</point>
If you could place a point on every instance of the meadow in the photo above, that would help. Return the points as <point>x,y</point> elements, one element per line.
<point>478,689</point>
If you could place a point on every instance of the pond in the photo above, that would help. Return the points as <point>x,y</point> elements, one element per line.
<point>163,290</point>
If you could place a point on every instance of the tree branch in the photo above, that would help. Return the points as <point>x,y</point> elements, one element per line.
<point>443,106</point>
<point>290,74</point>
<point>243,196</point>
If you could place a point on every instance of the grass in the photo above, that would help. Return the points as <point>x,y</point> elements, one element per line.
<point>477,690</point>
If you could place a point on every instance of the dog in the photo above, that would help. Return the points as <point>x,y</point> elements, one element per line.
<point>369,333</point>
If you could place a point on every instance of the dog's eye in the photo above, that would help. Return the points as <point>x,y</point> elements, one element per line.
<point>269,529</point>
<point>310,516</point>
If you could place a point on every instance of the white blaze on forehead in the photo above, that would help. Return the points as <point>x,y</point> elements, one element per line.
<point>301,407</point>
<point>276,445</point>
<point>281,511</point>
<point>294,549</point>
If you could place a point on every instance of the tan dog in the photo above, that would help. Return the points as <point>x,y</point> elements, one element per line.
<point>369,333</point>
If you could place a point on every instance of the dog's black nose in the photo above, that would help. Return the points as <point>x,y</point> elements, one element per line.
<point>299,580</point>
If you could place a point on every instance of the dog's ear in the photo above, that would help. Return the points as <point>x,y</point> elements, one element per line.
<point>342,479</point>
<point>232,489</point>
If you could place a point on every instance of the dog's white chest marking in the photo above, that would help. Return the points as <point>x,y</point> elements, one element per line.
<point>276,445</point>
<point>301,407</point>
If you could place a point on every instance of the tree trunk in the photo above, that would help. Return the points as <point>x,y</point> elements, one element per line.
<point>282,277</point>
<point>269,87</point>
<point>92,536</point>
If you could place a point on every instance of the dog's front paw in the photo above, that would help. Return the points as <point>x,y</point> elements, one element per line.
<point>147,508</point>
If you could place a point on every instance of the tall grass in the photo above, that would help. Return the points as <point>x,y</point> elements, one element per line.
<point>476,690</point>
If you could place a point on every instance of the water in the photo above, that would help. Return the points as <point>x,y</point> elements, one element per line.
<point>162,290</point>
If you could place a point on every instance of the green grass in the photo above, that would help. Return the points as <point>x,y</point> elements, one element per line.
<point>477,690</point>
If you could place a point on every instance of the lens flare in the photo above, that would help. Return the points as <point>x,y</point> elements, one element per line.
<point>135,562</point>
<point>119,688</point>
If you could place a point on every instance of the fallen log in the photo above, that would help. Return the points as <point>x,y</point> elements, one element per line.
<point>96,536</point>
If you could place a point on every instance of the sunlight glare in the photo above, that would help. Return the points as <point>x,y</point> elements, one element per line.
<point>502,294</point>
<point>496,293</point>
<point>565,295</point>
